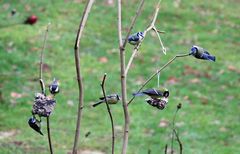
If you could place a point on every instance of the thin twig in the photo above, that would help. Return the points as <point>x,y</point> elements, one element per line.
<point>166,148</point>
<point>133,22</point>
<point>42,86</point>
<point>123,81</point>
<point>150,27</point>
<point>154,74</point>
<point>179,141</point>
<point>41,60</point>
<point>109,111</point>
<point>49,135</point>
<point>79,77</point>
<point>160,40</point>
<point>173,125</point>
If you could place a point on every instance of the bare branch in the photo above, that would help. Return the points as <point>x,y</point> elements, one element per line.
<point>49,135</point>
<point>154,74</point>
<point>150,27</point>
<point>79,77</point>
<point>41,60</point>
<point>123,81</point>
<point>173,126</point>
<point>109,111</point>
<point>159,38</point>
<point>179,141</point>
<point>166,148</point>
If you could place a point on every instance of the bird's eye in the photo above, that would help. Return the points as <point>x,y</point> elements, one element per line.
<point>166,94</point>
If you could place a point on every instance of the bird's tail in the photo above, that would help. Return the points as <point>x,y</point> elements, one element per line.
<point>41,133</point>
<point>98,103</point>
<point>138,94</point>
<point>209,57</point>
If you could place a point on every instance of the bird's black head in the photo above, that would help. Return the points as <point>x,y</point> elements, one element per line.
<point>166,93</point>
<point>31,120</point>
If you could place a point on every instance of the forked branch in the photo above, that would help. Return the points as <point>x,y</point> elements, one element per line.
<point>150,27</point>
<point>156,73</point>
<point>78,70</point>
<point>109,111</point>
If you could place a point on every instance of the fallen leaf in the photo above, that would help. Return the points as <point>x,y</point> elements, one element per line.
<point>222,129</point>
<point>148,132</point>
<point>172,80</point>
<point>18,143</point>
<point>195,80</point>
<point>179,124</point>
<point>233,69</point>
<point>88,152</point>
<point>16,95</point>
<point>140,80</point>
<point>6,6</point>
<point>103,59</point>
<point>163,123</point>
<point>188,70</point>
<point>110,2</point>
<point>204,100</point>
<point>70,103</point>
<point>8,134</point>
<point>27,8</point>
<point>46,67</point>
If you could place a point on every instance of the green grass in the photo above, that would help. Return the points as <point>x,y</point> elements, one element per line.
<point>209,117</point>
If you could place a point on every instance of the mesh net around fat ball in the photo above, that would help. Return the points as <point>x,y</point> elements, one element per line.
<point>157,102</point>
<point>43,105</point>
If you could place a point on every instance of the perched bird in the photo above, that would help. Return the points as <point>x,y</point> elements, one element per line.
<point>111,99</point>
<point>153,93</point>
<point>54,87</point>
<point>200,53</point>
<point>136,38</point>
<point>35,124</point>
<point>31,20</point>
<point>159,103</point>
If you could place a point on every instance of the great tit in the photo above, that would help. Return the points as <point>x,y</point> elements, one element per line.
<point>111,99</point>
<point>153,93</point>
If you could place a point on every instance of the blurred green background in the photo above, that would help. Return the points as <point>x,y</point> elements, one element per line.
<point>209,121</point>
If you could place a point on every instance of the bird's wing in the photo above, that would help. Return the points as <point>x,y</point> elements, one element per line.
<point>206,52</point>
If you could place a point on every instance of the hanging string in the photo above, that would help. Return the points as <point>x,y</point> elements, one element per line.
<point>158,79</point>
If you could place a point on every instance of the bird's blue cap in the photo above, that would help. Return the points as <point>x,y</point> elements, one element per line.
<point>32,120</point>
<point>193,50</point>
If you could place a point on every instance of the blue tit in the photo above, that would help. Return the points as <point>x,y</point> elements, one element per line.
<point>159,103</point>
<point>54,87</point>
<point>35,124</point>
<point>153,93</point>
<point>200,53</point>
<point>111,99</point>
<point>136,38</point>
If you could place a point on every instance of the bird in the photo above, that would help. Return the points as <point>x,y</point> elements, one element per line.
<point>136,38</point>
<point>35,124</point>
<point>54,87</point>
<point>200,53</point>
<point>153,93</point>
<point>159,103</point>
<point>111,99</point>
